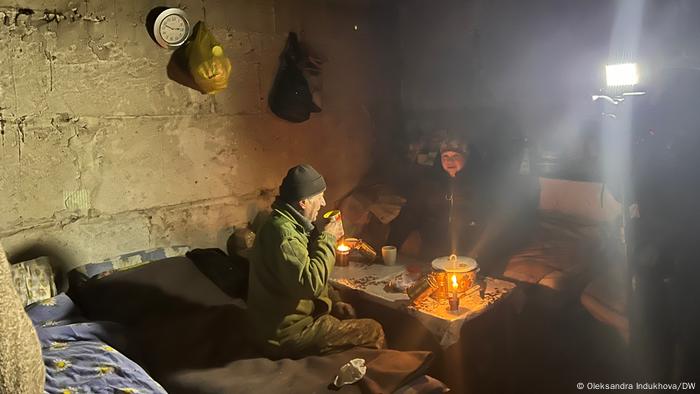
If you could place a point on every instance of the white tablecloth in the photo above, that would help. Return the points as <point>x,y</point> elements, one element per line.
<point>370,280</point>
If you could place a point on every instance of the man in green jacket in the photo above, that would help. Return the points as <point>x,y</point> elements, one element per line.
<point>289,305</point>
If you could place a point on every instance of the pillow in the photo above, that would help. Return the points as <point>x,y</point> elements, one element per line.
<point>578,199</point>
<point>160,288</point>
<point>33,280</point>
<point>55,309</point>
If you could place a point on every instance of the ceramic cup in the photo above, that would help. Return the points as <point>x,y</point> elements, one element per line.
<point>389,255</point>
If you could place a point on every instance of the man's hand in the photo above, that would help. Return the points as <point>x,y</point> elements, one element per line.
<point>343,310</point>
<point>335,228</point>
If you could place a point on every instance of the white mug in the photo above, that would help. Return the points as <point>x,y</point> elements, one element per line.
<point>389,254</point>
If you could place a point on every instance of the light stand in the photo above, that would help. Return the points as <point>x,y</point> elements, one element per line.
<point>621,80</point>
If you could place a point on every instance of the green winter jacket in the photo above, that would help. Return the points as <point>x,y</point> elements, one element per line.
<point>289,273</point>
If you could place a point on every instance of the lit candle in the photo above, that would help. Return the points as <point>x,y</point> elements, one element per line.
<point>341,254</point>
<point>454,300</point>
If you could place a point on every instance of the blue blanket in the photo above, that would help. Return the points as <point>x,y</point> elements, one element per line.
<point>80,355</point>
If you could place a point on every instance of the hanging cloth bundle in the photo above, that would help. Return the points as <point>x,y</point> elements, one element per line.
<point>290,97</point>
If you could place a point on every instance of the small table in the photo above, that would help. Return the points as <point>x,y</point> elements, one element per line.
<point>370,281</point>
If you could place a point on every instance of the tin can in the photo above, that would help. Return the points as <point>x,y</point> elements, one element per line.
<point>422,289</point>
<point>332,216</point>
<point>366,250</point>
<point>441,281</point>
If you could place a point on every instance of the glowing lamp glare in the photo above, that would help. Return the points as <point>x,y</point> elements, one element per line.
<point>625,74</point>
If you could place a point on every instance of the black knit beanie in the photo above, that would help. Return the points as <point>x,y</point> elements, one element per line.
<point>301,182</point>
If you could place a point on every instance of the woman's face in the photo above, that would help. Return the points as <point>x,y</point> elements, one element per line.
<point>452,162</point>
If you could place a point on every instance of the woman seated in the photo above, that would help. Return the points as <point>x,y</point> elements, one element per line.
<point>457,209</point>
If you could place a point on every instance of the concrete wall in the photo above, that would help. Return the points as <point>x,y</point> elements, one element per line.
<point>532,60</point>
<point>103,154</point>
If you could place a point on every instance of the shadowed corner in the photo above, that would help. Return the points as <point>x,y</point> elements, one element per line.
<point>151,21</point>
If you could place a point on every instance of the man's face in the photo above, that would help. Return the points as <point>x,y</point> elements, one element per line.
<point>452,162</point>
<point>310,206</point>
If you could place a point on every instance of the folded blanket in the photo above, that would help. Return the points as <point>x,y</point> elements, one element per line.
<point>21,365</point>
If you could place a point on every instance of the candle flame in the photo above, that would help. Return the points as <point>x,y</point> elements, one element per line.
<point>454,282</point>
<point>343,248</point>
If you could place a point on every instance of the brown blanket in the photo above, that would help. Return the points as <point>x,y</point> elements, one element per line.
<point>387,370</point>
<point>192,338</point>
<point>206,351</point>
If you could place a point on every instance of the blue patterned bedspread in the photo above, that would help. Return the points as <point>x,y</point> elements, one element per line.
<point>80,355</point>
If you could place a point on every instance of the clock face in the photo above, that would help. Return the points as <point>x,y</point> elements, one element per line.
<point>171,28</point>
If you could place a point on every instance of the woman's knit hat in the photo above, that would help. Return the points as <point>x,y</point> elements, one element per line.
<point>454,145</point>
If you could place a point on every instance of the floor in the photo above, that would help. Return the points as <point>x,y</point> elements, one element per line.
<point>556,349</point>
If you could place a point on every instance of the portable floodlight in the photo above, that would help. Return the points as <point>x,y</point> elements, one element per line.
<point>624,74</point>
<point>620,79</point>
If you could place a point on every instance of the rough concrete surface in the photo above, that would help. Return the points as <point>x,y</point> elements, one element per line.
<point>103,154</point>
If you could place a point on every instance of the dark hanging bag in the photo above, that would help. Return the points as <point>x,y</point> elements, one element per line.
<point>290,97</point>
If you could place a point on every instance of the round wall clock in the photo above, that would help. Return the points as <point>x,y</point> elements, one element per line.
<point>171,28</point>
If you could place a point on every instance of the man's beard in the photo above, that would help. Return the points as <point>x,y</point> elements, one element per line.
<point>311,216</point>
